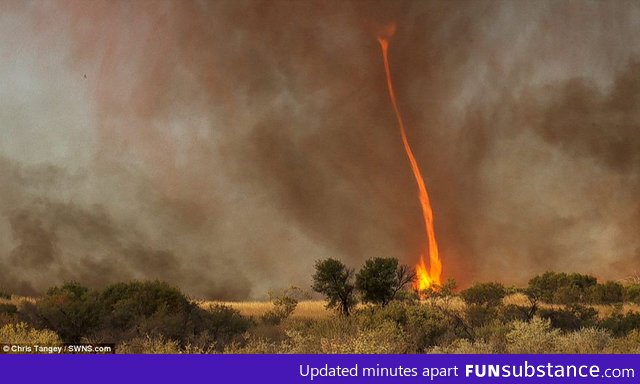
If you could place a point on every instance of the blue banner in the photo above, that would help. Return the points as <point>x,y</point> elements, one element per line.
<point>323,369</point>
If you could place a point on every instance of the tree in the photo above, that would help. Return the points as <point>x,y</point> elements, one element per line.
<point>334,280</point>
<point>381,279</point>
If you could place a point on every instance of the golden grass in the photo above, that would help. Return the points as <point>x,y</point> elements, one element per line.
<point>607,310</point>
<point>315,309</point>
<point>308,309</point>
<point>15,300</point>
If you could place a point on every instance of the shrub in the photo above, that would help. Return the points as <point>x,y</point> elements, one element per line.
<point>147,308</point>
<point>607,293</point>
<point>223,324</point>
<point>156,309</point>
<point>71,310</point>
<point>632,293</point>
<point>284,305</point>
<point>4,295</point>
<point>464,346</point>
<point>395,312</point>
<point>622,324</point>
<point>427,326</point>
<point>353,334</point>
<point>485,294</point>
<point>385,338</point>
<point>479,315</point>
<point>535,336</point>
<point>127,311</point>
<point>628,344</point>
<point>586,340</point>
<point>571,318</point>
<point>561,288</point>
<point>157,345</point>
<point>512,312</point>
<point>256,346</point>
<point>8,309</point>
<point>21,333</point>
<point>493,334</point>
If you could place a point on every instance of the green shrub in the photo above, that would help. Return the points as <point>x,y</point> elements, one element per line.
<point>156,309</point>
<point>607,293</point>
<point>71,310</point>
<point>570,294</point>
<point>8,309</point>
<point>512,312</point>
<point>571,318</point>
<point>632,293</point>
<point>395,312</point>
<point>147,308</point>
<point>561,288</point>
<point>485,294</point>
<point>135,310</point>
<point>479,315</point>
<point>621,324</point>
<point>427,326</point>
<point>223,324</point>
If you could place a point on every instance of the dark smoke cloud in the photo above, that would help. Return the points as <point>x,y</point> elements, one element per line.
<point>226,146</point>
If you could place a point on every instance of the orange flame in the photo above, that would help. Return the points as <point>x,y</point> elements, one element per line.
<point>434,276</point>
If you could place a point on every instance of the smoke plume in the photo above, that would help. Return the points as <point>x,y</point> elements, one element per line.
<point>225,146</point>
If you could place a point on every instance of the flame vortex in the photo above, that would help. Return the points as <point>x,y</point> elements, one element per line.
<point>433,276</point>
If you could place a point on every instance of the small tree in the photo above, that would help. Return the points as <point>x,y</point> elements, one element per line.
<point>334,280</point>
<point>284,303</point>
<point>381,279</point>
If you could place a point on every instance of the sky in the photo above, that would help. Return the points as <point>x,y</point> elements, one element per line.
<point>226,146</point>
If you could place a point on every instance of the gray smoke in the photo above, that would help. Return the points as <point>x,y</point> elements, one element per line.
<point>226,146</point>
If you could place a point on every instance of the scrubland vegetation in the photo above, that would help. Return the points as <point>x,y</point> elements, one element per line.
<point>555,313</point>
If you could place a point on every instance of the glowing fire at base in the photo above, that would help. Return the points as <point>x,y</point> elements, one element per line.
<point>425,279</point>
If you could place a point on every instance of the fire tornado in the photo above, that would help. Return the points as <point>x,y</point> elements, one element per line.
<point>425,279</point>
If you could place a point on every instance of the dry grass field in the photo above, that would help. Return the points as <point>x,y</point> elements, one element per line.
<point>307,309</point>
<point>315,309</point>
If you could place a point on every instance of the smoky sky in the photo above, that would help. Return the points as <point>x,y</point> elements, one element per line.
<point>226,146</point>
